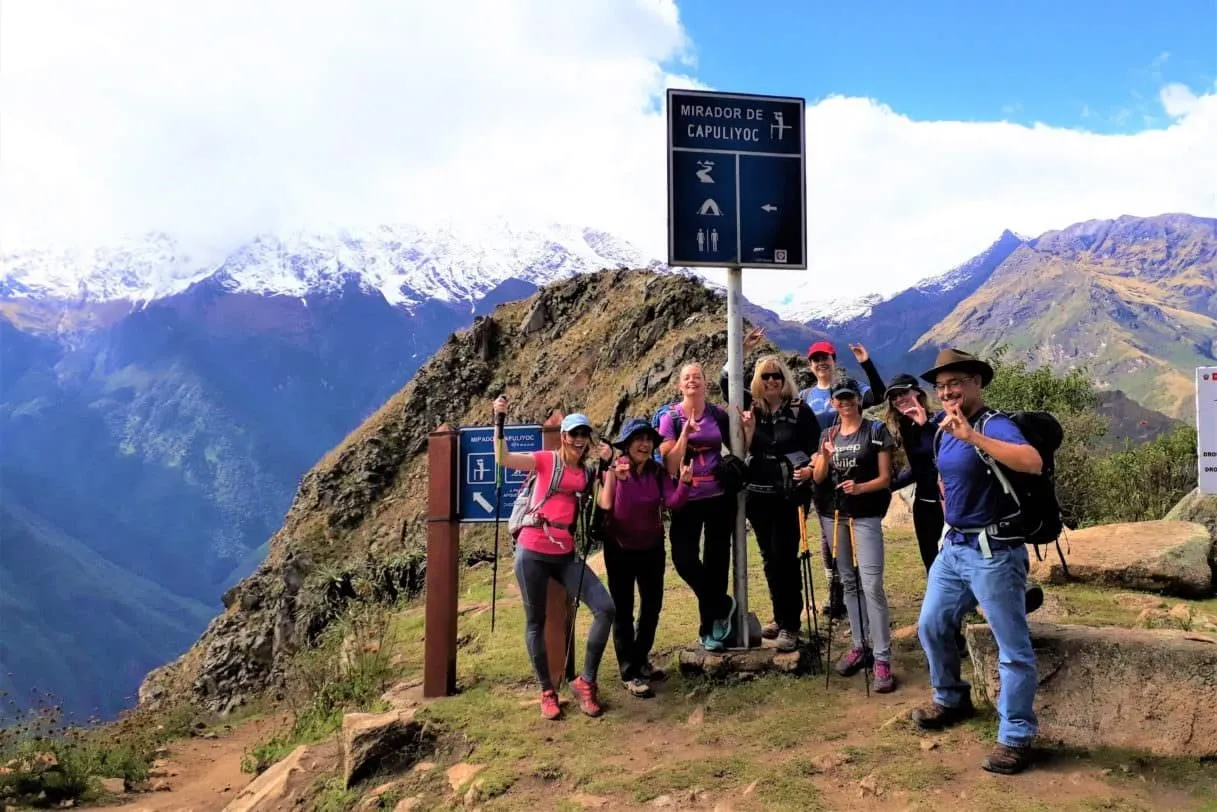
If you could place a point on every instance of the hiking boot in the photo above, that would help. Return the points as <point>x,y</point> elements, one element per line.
<point>710,644</point>
<point>585,692</point>
<point>638,687</point>
<point>854,661</point>
<point>1033,595</point>
<point>938,717</point>
<point>722,627</point>
<point>1007,760</point>
<point>550,708</point>
<point>651,673</point>
<point>770,630</point>
<point>884,682</point>
<point>787,641</point>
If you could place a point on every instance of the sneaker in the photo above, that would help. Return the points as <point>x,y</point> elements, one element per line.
<point>550,708</point>
<point>638,687</point>
<point>1033,595</point>
<point>770,630</point>
<point>938,717</point>
<point>722,628</point>
<point>884,682</point>
<point>651,673</point>
<point>1007,760</point>
<point>787,641</point>
<point>710,644</point>
<point>854,661</point>
<point>585,692</point>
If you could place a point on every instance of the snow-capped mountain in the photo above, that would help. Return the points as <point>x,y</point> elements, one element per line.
<point>406,264</point>
<point>832,312</point>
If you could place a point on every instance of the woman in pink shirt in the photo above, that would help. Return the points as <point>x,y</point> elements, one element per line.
<point>634,494</point>
<point>545,549</point>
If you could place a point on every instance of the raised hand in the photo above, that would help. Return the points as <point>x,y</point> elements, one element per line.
<point>746,419</point>
<point>622,469</point>
<point>500,405</point>
<point>956,424</point>
<point>686,473</point>
<point>860,353</point>
<point>754,338</point>
<point>606,451</point>
<point>915,412</point>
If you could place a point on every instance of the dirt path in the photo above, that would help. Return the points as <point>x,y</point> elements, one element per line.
<point>204,775</point>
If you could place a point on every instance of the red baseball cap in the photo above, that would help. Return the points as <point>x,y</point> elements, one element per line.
<point>821,346</point>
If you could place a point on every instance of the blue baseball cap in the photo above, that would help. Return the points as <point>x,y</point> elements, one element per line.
<point>574,421</point>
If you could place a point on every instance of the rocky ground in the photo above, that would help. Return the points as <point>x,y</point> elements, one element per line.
<point>777,742</point>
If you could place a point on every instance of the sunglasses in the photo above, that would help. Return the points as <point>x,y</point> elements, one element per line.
<point>581,431</point>
<point>895,394</point>
<point>772,376</point>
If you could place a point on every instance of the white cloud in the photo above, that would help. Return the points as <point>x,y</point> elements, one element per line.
<point>217,120</point>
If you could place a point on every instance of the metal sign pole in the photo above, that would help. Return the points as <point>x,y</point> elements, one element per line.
<point>735,398</point>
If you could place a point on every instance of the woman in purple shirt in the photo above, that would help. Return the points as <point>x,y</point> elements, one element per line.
<point>633,495</point>
<point>694,431</point>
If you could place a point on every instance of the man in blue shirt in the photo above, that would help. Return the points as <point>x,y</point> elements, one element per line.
<point>974,568</point>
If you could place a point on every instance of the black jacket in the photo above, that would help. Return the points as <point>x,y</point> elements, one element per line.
<point>918,444</point>
<point>791,429</point>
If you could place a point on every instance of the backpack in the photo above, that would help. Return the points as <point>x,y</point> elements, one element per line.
<point>655,418</point>
<point>523,512</point>
<point>1035,514</point>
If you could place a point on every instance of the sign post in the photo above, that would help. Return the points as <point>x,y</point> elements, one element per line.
<point>1206,429</point>
<point>737,198</point>
<point>475,494</point>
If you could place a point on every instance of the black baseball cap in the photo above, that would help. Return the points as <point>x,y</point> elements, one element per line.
<point>848,386</point>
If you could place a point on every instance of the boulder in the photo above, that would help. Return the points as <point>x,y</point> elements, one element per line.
<point>289,783</point>
<point>1145,690</point>
<point>900,512</point>
<point>1170,557</point>
<point>375,741</point>
<point>1199,508</point>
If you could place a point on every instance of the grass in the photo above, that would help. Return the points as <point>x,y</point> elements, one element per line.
<point>777,742</point>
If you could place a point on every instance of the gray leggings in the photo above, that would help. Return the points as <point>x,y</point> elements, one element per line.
<point>533,571</point>
<point>877,622</point>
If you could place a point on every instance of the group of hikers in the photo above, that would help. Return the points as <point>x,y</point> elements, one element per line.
<point>809,450</point>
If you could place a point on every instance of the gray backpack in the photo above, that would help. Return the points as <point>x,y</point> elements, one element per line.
<point>523,512</point>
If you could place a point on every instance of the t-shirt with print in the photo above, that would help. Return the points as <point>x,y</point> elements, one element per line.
<point>705,447</point>
<point>562,507</point>
<point>970,489</point>
<point>856,457</point>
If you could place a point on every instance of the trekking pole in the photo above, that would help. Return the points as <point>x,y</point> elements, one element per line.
<point>809,588</point>
<point>499,420</point>
<point>832,578</point>
<point>866,641</point>
<point>580,528</point>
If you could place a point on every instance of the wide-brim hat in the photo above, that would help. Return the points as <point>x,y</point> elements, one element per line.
<point>903,382</point>
<point>631,429</point>
<point>952,359</point>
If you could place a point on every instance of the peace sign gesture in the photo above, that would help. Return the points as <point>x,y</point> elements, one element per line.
<point>860,353</point>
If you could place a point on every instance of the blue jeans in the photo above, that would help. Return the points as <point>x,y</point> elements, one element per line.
<point>959,579</point>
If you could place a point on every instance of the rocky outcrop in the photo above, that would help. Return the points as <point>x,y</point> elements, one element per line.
<point>1171,557</point>
<point>289,783</point>
<point>372,742</point>
<point>1199,508</point>
<point>608,344</point>
<point>1105,687</point>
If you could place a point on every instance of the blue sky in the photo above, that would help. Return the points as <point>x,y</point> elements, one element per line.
<point>1092,64</point>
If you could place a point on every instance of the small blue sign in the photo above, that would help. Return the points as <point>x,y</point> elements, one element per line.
<point>737,181</point>
<point>475,493</point>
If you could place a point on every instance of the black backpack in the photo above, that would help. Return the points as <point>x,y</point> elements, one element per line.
<point>1032,511</point>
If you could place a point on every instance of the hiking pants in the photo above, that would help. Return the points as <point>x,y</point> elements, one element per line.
<point>959,579</point>
<point>533,571</point>
<point>625,568</point>
<point>874,621</point>
<point>927,523</point>
<point>705,573</point>
<point>775,520</point>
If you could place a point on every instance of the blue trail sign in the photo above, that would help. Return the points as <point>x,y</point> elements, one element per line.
<point>737,182</point>
<point>475,468</point>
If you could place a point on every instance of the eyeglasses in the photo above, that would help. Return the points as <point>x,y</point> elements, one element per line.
<point>953,383</point>
<point>845,397</point>
<point>819,358</point>
<point>772,376</point>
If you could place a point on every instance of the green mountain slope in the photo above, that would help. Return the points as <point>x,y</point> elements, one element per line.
<point>1134,300</point>
<point>52,589</point>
